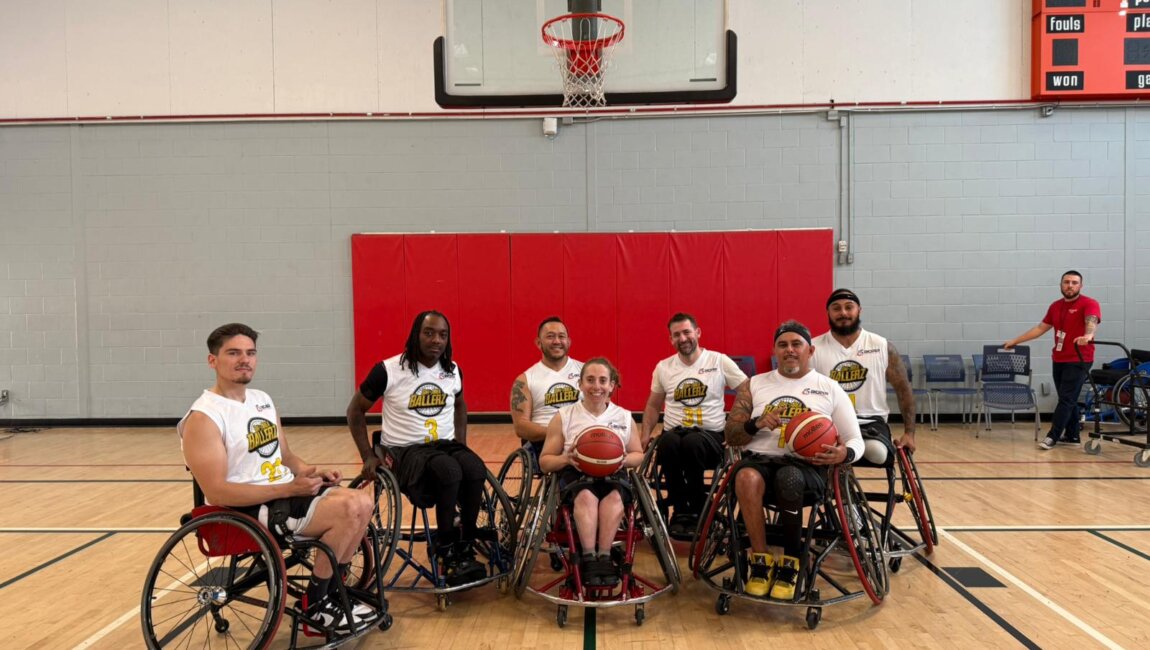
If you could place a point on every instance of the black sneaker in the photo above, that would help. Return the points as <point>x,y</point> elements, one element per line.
<point>1072,441</point>
<point>603,573</point>
<point>461,568</point>
<point>683,526</point>
<point>332,617</point>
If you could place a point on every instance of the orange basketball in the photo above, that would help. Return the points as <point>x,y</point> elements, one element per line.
<point>808,431</point>
<point>598,451</point>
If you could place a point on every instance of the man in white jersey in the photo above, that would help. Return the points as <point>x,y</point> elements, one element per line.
<point>544,388</point>
<point>425,433</point>
<point>764,404</point>
<point>599,502</point>
<point>688,387</point>
<point>863,362</point>
<point>235,447</point>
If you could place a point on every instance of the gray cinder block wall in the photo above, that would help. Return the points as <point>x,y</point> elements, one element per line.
<point>122,246</point>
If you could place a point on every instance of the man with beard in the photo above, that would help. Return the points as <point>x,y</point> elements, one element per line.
<point>690,384</point>
<point>1074,318</point>
<point>235,447</point>
<point>425,431</point>
<point>862,362</point>
<point>770,474</point>
<point>545,387</point>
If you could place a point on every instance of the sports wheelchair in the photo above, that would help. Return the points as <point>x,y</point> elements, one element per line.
<point>223,575</point>
<point>653,472</point>
<point>550,528</point>
<point>839,522</point>
<point>412,546</point>
<point>903,485</point>
<point>1120,388</point>
<point>520,476</point>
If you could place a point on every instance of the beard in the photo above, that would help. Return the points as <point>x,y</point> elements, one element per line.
<point>845,330</point>
<point>687,348</point>
<point>1071,294</point>
<point>555,355</point>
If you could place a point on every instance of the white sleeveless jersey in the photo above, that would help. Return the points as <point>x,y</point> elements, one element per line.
<point>694,393</point>
<point>789,397</point>
<point>250,431</point>
<point>419,408</point>
<point>551,390</point>
<point>860,370</point>
<point>576,418</point>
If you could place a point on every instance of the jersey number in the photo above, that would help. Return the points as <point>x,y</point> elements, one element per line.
<point>692,417</point>
<point>274,471</point>
<point>432,430</point>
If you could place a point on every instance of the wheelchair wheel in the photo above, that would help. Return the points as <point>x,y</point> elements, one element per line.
<point>516,477</point>
<point>299,565</point>
<point>535,526</point>
<point>655,529</point>
<point>386,519</point>
<point>713,534</point>
<point>218,579</point>
<point>919,505</point>
<point>1131,394</point>
<point>497,526</point>
<point>860,534</point>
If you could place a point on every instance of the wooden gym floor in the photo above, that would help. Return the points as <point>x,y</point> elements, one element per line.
<point>1064,537</point>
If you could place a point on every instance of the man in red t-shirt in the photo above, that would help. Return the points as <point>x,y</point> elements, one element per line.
<point>1074,319</point>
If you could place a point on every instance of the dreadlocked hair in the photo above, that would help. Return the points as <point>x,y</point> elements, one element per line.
<point>410,355</point>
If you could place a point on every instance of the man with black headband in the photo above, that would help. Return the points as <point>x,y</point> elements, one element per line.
<point>690,385</point>
<point>1074,319</point>
<point>862,362</point>
<point>764,404</point>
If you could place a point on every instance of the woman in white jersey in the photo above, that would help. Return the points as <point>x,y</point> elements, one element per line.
<point>598,502</point>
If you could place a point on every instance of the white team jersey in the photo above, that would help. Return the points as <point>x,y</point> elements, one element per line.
<point>694,393</point>
<point>419,408</point>
<point>551,390</point>
<point>250,431</point>
<point>789,397</point>
<point>576,418</point>
<point>859,369</point>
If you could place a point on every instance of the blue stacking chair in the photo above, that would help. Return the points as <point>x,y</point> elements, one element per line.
<point>999,385</point>
<point>942,372</point>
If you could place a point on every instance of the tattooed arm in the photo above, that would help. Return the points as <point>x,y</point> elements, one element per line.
<point>521,407</point>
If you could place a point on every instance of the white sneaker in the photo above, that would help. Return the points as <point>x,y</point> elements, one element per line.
<point>1047,444</point>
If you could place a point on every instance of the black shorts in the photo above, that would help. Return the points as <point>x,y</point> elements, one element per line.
<point>410,469</point>
<point>814,476</point>
<point>286,517</point>
<point>877,430</point>
<point>572,482</point>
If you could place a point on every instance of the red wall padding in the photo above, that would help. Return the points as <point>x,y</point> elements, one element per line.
<point>615,292</point>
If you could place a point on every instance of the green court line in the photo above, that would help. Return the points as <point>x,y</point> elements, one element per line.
<point>588,628</point>
<point>55,560</point>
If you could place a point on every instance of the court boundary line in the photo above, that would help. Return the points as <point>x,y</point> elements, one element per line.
<point>1030,591</point>
<point>58,558</point>
<point>950,581</point>
<point>1121,545</point>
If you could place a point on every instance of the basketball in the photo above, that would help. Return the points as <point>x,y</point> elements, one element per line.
<point>598,451</point>
<point>808,431</point>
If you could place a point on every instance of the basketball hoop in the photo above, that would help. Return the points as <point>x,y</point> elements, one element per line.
<point>583,45</point>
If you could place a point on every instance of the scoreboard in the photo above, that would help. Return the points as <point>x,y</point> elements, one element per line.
<point>1090,49</point>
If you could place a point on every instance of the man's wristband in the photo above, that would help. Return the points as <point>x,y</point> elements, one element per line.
<point>750,427</point>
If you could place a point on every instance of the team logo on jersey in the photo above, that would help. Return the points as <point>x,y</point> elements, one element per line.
<point>787,407</point>
<point>427,400</point>
<point>560,394</point>
<point>263,438</point>
<point>690,392</point>
<point>849,374</point>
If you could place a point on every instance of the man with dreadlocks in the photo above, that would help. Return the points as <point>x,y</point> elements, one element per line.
<point>425,432</point>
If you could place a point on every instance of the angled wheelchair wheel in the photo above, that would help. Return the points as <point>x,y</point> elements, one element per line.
<point>218,580</point>
<point>1131,394</point>
<point>497,526</point>
<point>713,535</point>
<point>861,534</point>
<point>655,529</point>
<point>537,522</point>
<point>516,475</point>
<point>919,505</point>
<point>386,519</point>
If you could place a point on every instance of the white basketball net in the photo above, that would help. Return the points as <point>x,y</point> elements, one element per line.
<point>583,45</point>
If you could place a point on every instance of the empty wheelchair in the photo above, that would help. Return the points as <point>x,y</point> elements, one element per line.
<point>1121,387</point>
<point>224,578</point>
<point>839,523</point>
<point>903,486</point>
<point>550,530</point>
<point>410,562</point>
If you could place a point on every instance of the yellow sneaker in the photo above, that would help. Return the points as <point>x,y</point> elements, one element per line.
<point>759,582</point>
<point>786,578</point>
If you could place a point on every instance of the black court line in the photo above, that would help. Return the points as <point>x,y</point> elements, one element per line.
<point>55,560</point>
<point>588,628</point>
<point>981,606</point>
<point>98,480</point>
<point>1120,545</point>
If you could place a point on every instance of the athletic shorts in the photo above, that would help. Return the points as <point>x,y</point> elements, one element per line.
<point>285,517</point>
<point>572,482</point>
<point>877,430</point>
<point>814,476</point>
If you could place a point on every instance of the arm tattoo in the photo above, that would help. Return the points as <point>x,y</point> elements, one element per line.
<point>740,413</point>
<point>518,397</point>
<point>896,375</point>
<point>1091,323</point>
